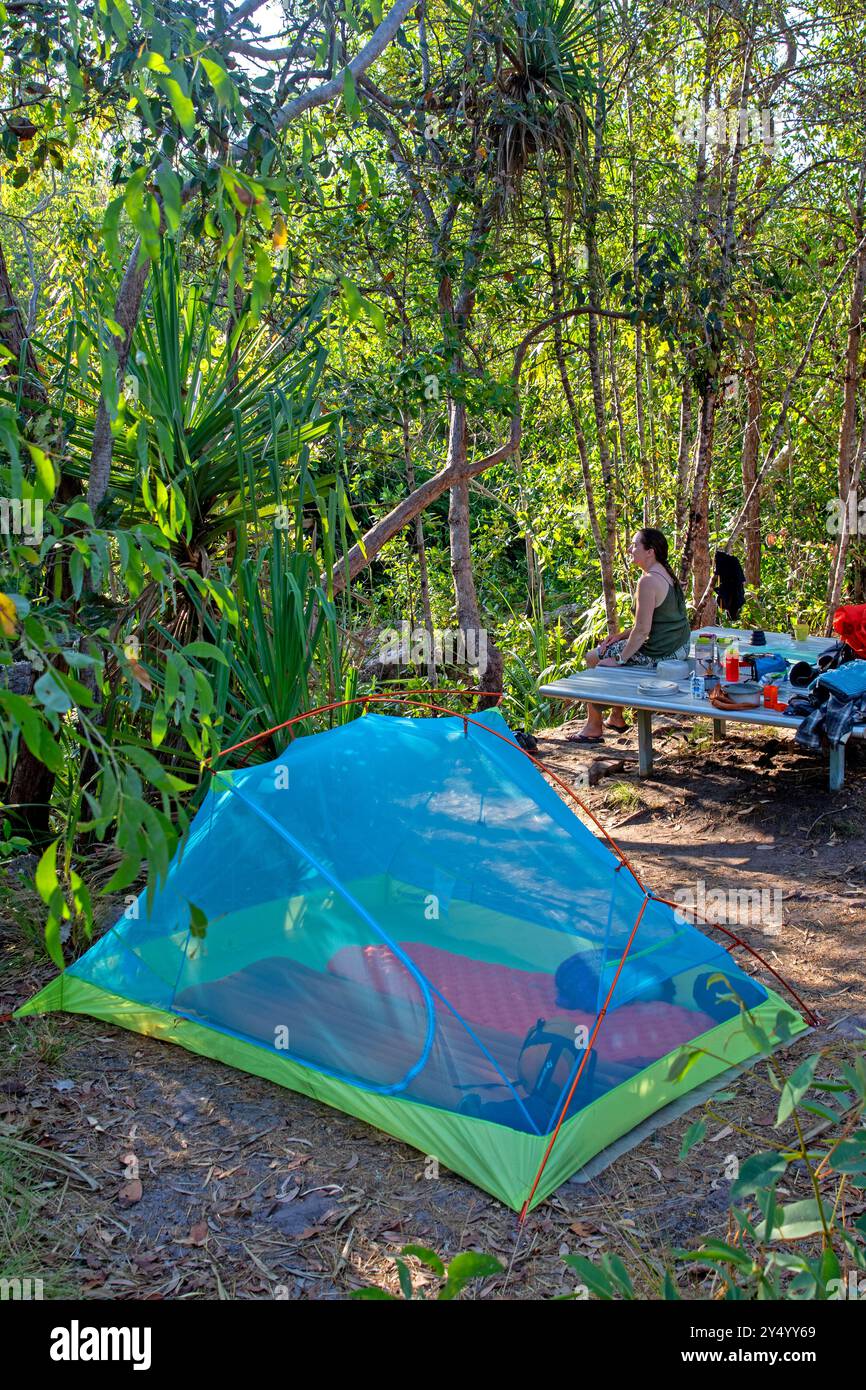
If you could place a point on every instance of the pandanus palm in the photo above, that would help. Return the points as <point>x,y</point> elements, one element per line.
<point>545,80</point>
<point>216,448</point>
<point>219,409</point>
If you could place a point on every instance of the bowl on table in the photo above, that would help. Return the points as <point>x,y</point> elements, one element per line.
<point>742,692</point>
<point>673,670</point>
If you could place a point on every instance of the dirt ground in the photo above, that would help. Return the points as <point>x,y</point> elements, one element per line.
<point>152,1173</point>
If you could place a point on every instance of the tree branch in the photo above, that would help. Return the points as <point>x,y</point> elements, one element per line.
<point>326,91</point>
<point>366,550</point>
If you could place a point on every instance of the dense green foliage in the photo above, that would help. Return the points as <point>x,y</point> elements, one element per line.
<point>261,285</point>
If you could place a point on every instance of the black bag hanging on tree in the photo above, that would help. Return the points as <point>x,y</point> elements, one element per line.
<point>730,588</point>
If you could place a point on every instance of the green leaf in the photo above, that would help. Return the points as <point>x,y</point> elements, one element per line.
<point>198,920</point>
<point>716,1251</point>
<point>150,766</point>
<point>353,297</point>
<point>471,1264</point>
<point>796,1087</point>
<point>850,1155</point>
<point>605,1280</point>
<point>46,473</point>
<point>183,109</point>
<point>53,944</point>
<point>124,875</point>
<point>796,1221</point>
<point>350,96</point>
<point>158,725</point>
<point>50,753</point>
<point>405,1279</point>
<point>830,1267</point>
<point>758,1171</point>
<point>172,678</point>
<point>207,651</point>
<point>219,80</point>
<point>45,878</point>
<point>427,1257</point>
<point>683,1060</point>
<point>693,1135</point>
<point>51,694</point>
<point>155,62</point>
<point>110,229</point>
<point>169,186</point>
<point>375,315</point>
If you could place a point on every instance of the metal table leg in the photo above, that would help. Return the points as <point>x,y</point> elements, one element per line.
<point>644,741</point>
<point>718,730</point>
<point>837,766</point>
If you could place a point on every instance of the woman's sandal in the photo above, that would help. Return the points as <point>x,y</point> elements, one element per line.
<point>617,728</point>
<point>584,738</point>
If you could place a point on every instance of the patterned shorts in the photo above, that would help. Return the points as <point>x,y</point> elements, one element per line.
<point>639,659</point>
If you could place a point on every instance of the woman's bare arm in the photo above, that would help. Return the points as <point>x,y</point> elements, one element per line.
<point>643,617</point>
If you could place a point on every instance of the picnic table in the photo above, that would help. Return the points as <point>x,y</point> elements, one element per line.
<point>618,685</point>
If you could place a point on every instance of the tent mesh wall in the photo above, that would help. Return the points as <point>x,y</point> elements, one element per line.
<point>406,907</point>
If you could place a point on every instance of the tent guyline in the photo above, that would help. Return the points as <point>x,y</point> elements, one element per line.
<point>452,955</point>
<point>583,1061</point>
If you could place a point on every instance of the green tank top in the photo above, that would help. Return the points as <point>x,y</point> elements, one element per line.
<point>670,626</point>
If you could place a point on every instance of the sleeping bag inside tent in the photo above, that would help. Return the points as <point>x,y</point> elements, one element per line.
<point>401,918</point>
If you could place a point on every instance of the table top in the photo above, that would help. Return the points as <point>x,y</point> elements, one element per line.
<point>609,685</point>
<point>779,643</point>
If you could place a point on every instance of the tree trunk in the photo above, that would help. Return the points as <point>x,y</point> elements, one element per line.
<point>684,457</point>
<point>594,345</point>
<point>837,574</point>
<point>848,421</point>
<point>126,311</point>
<point>696,549</point>
<point>421,552</point>
<point>27,795</point>
<point>604,558</point>
<point>465,594</point>
<point>751,449</point>
<point>649,502</point>
<point>13,335</point>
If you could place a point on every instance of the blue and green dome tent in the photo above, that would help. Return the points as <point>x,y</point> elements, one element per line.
<point>401,918</point>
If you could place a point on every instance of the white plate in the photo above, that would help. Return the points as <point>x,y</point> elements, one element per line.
<point>657,687</point>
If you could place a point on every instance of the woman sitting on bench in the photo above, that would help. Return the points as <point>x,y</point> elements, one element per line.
<point>661,628</point>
